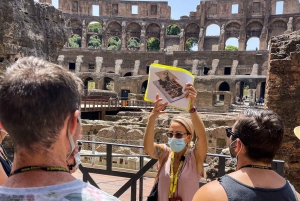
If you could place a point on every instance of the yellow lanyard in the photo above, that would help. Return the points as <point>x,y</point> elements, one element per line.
<point>174,180</point>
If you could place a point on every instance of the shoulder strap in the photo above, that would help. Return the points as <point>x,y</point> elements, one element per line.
<point>162,164</point>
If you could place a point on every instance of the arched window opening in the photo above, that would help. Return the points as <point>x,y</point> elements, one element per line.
<point>74,41</point>
<point>213,30</point>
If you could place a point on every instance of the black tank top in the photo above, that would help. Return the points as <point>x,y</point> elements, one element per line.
<point>237,191</point>
<point>5,166</point>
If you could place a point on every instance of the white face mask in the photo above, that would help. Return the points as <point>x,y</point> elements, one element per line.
<point>234,158</point>
<point>77,162</point>
<point>71,140</point>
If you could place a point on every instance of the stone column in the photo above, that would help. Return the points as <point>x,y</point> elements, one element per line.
<point>252,96</point>
<point>99,62</point>
<point>201,39</point>
<point>162,38</point>
<point>60,60</point>
<point>235,64</point>
<point>242,40</point>
<point>175,62</point>
<point>143,38</point>
<point>182,40</point>
<point>214,66</point>
<point>84,35</point>
<point>104,37</point>
<point>195,70</point>
<point>254,69</point>
<point>78,63</point>
<point>263,44</point>
<point>222,38</point>
<point>156,61</point>
<point>123,36</point>
<point>136,67</point>
<point>118,69</point>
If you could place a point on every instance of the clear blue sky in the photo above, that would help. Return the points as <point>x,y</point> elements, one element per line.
<point>184,7</point>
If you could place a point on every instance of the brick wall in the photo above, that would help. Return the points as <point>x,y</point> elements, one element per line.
<point>283,97</point>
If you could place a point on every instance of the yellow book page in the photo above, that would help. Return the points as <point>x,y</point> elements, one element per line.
<point>169,83</point>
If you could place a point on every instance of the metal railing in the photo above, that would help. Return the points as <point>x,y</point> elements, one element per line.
<point>96,105</point>
<point>277,165</point>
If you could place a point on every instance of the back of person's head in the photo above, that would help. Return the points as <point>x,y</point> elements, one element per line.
<point>36,98</point>
<point>261,131</point>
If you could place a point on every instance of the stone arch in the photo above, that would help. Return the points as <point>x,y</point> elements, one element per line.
<point>153,30</point>
<point>191,44</point>
<point>144,86</point>
<point>260,89</point>
<point>133,29</point>
<point>215,22</point>
<point>252,44</point>
<point>86,83</point>
<point>232,30</point>
<point>114,28</point>
<point>254,29</point>
<point>213,30</point>
<point>176,29</point>
<point>109,84</point>
<point>74,41</point>
<point>92,22</point>
<point>114,43</point>
<point>75,25</point>
<point>241,89</point>
<point>192,30</point>
<point>254,20</point>
<point>127,74</point>
<point>222,86</point>
<point>155,44</point>
<point>133,44</point>
<point>234,41</point>
<point>296,24</point>
<point>277,27</point>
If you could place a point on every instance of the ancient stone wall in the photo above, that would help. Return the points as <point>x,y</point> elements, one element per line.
<point>282,96</point>
<point>238,19</point>
<point>30,29</point>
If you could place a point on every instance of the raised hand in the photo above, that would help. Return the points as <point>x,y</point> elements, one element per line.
<point>190,92</point>
<point>158,107</point>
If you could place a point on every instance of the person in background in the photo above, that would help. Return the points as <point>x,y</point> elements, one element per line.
<point>254,139</point>
<point>180,175</point>
<point>6,164</point>
<point>40,109</point>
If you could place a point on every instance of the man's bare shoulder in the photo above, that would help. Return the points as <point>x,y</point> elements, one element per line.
<point>212,191</point>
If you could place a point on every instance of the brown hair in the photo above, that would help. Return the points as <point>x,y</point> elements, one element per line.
<point>36,98</point>
<point>261,131</point>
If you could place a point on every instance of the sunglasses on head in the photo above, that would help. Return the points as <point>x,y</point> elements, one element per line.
<point>177,134</point>
<point>230,133</point>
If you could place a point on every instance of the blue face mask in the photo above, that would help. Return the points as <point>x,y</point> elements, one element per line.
<point>177,145</point>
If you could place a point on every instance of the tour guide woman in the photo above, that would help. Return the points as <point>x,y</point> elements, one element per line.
<point>180,175</point>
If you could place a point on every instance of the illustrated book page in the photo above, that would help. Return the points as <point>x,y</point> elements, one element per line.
<point>169,83</point>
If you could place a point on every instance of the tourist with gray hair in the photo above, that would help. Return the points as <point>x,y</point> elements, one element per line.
<point>180,166</point>
<point>255,138</point>
<point>40,109</point>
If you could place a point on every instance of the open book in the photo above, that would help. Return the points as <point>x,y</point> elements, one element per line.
<point>169,82</point>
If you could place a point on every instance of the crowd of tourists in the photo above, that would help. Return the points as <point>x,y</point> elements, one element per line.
<point>40,109</point>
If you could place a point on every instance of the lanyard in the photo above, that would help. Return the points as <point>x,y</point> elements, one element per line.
<point>30,168</point>
<point>174,180</point>
<point>256,166</point>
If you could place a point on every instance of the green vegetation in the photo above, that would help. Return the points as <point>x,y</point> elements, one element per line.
<point>173,29</point>
<point>190,43</point>
<point>114,43</point>
<point>94,42</point>
<point>231,48</point>
<point>133,44</point>
<point>74,41</point>
<point>153,44</point>
<point>95,27</point>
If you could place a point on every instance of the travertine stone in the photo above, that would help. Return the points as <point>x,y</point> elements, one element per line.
<point>99,62</point>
